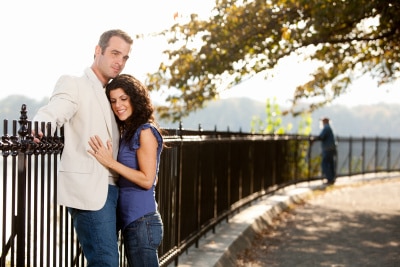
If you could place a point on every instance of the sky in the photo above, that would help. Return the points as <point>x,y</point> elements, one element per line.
<point>45,39</point>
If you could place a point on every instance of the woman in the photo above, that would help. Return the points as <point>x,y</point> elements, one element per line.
<point>137,165</point>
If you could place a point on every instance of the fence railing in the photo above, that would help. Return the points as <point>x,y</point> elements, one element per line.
<point>205,177</point>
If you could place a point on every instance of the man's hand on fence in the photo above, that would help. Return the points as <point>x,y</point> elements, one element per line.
<point>38,137</point>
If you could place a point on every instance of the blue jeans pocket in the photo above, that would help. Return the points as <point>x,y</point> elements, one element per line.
<point>155,233</point>
<point>146,231</point>
<point>142,239</point>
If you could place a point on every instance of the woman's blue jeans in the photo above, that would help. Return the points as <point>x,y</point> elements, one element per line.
<point>97,232</point>
<point>142,239</point>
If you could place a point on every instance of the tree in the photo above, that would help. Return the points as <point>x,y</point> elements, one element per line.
<point>273,120</point>
<point>243,38</point>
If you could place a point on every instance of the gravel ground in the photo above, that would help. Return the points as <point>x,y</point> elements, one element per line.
<point>342,226</point>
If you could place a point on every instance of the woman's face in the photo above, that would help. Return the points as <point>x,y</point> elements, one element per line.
<point>121,104</point>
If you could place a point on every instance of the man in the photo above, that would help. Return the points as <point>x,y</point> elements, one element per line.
<point>86,187</point>
<point>328,146</point>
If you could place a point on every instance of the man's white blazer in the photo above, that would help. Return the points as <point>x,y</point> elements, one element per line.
<point>81,106</point>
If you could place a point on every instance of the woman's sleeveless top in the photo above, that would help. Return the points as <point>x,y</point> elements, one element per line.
<point>134,201</point>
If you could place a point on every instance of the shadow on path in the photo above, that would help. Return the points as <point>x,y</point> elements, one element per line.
<point>352,226</point>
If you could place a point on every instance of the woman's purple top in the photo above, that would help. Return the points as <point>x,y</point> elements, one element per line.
<point>134,201</point>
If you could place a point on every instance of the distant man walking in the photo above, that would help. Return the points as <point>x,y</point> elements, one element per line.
<point>329,153</point>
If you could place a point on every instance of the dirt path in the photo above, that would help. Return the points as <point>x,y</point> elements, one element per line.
<point>343,226</point>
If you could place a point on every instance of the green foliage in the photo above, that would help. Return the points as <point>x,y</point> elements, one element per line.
<point>305,124</point>
<point>298,149</point>
<point>273,120</point>
<point>243,38</point>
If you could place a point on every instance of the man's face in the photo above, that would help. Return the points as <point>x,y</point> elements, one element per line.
<point>110,62</point>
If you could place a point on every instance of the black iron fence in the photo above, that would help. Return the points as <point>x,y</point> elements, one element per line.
<point>205,177</point>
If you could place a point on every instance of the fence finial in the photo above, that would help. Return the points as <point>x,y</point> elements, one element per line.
<point>23,128</point>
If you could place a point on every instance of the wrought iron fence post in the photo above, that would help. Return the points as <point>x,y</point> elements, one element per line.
<point>388,163</point>
<point>21,204</point>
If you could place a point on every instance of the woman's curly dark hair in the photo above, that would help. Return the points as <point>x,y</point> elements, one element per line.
<point>140,100</point>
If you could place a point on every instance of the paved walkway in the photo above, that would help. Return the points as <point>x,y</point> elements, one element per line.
<point>354,223</point>
<point>352,226</point>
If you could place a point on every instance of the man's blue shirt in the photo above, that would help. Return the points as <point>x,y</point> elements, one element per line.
<point>327,138</point>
